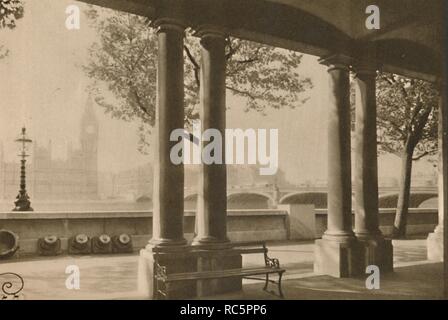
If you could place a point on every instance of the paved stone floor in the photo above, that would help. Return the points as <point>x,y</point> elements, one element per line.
<point>115,276</point>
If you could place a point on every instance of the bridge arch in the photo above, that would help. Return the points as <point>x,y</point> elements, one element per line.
<point>190,201</point>
<point>191,196</point>
<point>249,200</point>
<point>143,198</point>
<point>432,202</point>
<point>416,199</point>
<point>319,199</point>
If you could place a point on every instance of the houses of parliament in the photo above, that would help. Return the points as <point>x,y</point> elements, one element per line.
<point>75,178</point>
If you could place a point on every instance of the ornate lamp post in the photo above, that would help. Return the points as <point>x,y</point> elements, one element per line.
<point>22,202</point>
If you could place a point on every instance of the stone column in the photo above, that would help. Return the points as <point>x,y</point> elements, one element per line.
<point>168,193</point>
<point>337,251</point>
<point>377,251</point>
<point>435,239</point>
<point>339,225</point>
<point>211,215</point>
<point>366,166</point>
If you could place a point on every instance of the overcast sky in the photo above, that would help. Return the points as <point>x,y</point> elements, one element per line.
<point>43,87</point>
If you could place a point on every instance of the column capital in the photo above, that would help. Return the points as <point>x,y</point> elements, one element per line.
<point>207,30</point>
<point>164,24</point>
<point>366,66</point>
<point>337,61</point>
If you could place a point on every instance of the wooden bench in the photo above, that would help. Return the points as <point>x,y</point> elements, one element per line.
<point>163,278</point>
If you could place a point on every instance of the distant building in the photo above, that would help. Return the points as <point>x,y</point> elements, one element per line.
<point>133,184</point>
<point>75,178</point>
<point>136,183</point>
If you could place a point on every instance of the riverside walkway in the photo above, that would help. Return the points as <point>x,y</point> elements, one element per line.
<point>115,276</point>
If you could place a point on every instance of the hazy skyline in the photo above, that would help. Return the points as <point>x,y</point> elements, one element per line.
<point>45,90</point>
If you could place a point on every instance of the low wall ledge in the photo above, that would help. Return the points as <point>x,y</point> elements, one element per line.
<point>122,214</point>
<point>390,211</point>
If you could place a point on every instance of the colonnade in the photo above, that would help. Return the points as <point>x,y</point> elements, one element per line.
<point>343,250</point>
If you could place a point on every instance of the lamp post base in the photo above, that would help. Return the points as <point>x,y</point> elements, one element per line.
<point>22,203</point>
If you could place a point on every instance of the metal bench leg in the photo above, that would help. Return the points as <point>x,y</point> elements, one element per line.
<point>280,285</point>
<point>167,290</point>
<point>267,282</point>
<point>161,291</point>
<point>156,288</point>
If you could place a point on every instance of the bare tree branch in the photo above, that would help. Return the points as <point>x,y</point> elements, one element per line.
<point>246,93</point>
<point>138,101</point>
<point>246,61</point>
<point>196,66</point>
<point>420,156</point>
<point>418,131</point>
<point>232,50</point>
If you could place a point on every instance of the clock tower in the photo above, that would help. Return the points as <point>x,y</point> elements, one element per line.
<point>89,149</point>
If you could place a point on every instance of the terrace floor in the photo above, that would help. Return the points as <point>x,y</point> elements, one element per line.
<point>115,277</point>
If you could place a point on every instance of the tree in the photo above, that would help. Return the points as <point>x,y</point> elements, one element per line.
<point>124,59</point>
<point>10,11</point>
<point>407,115</point>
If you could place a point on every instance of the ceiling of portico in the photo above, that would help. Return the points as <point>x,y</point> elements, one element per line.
<point>349,15</point>
<point>411,30</point>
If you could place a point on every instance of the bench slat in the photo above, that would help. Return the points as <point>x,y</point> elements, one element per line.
<point>248,243</point>
<point>221,274</point>
<point>237,249</point>
<point>250,250</point>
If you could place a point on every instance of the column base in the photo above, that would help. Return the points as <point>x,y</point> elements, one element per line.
<point>162,242</point>
<point>183,259</point>
<point>226,259</point>
<point>377,251</point>
<point>340,259</point>
<point>434,244</point>
<point>211,243</point>
<point>175,261</point>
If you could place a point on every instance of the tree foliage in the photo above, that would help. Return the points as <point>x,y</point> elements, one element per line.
<point>124,59</point>
<point>407,118</point>
<point>10,11</point>
<point>407,112</point>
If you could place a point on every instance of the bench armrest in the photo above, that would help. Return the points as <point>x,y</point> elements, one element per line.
<point>160,271</point>
<point>272,262</point>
